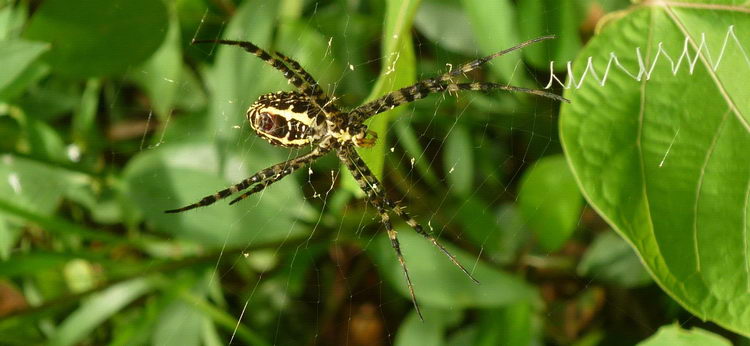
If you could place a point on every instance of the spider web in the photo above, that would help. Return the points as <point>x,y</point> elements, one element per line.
<point>307,259</point>
<point>308,250</point>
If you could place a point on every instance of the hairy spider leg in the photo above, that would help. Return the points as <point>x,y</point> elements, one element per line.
<point>425,88</point>
<point>442,83</point>
<point>288,169</point>
<point>371,188</point>
<point>472,65</point>
<point>296,74</point>
<point>315,88</point>
<point>361,176</point>
<point>263,179</point>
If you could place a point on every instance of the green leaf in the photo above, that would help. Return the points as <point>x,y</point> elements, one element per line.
<point>397,70</point>
<point>34,262</point>
<point>97,309</point>
<point>179,324</point>
<point>17,57</point>
<point>12,19</point>
<point>44,142</point>
<point>495,28</point>
<point>458,161</point>
<point>610,259</point>
<point>237,77</point>
<point>179,175</point>
<point>516,324</point>
<point>54,224</point>
<point>52,98</point>
<point>431,18</point>
<point>664,160</point>
<point>431,331</point>
<point>301,41</point>
<point>160,75</point>
<point>673,335</point>
<point>98,37</point>
<point>10,132</point>
<point>462,337</point>
<point>8,237</point>
<point>408,140</point>
<point>438,282</point>
<point>34,186</point>
<point>221,318</point>
<point>84,119</point>
<point>550,202</point>
<point>499,233</point>
<point>561,18</point>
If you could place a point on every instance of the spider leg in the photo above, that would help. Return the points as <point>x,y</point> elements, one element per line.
<point>487,86</point>
<point>314,88</point>
<point>364,179</point>
<point>263,179</point>
<point>371,186</point>
<point>418,228</point>
<point>472,65</point>
<point>296,75</point>
<point>430,86</point>
<point>442,83</point>
<point>393,236</point>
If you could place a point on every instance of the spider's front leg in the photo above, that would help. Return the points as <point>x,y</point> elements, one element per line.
<point>260,180</point>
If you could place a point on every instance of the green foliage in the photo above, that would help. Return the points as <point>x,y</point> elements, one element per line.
<point>550,202</point>
<point>98,37</point>
<point>439,283</point>
<point>663,161</point>
<point>20,54</point>
<point>610,259</point>
<point>458,161</point>
<point>674,335</point>
<point>109,116</point>
<point>563,22</point>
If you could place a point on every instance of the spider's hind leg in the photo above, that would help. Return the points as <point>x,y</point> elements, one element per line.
<point>377,197</point>
<point>418,228</point>
<point>374,192</point>
<point>393,236</point>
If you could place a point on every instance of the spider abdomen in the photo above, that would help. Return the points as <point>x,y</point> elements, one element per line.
<point>287,119</point>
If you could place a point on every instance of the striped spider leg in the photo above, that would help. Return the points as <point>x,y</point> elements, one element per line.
<point>377,197</point>
<point>260,180</point>
<point>444,83</point>
<point>309,117</point>
<point>309,87</point>
<point>296,75</point>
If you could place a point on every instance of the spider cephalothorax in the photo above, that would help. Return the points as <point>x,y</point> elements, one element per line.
<point>309,117</point>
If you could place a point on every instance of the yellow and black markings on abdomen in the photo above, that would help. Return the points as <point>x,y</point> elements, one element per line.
<point>286,119</point>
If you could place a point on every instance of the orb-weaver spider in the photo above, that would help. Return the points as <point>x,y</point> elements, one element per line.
<point>310,117</point>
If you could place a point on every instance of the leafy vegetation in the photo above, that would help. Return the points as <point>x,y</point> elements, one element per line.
<point>108,117</point>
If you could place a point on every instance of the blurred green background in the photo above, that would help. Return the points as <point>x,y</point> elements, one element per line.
<point>108,116</point>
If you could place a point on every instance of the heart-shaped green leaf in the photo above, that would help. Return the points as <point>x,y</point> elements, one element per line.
<point>665,159</point>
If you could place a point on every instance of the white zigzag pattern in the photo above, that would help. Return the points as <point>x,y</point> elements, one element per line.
<point>645,71</point>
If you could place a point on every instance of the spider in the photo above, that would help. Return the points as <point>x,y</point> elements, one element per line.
<point>309,117</point>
